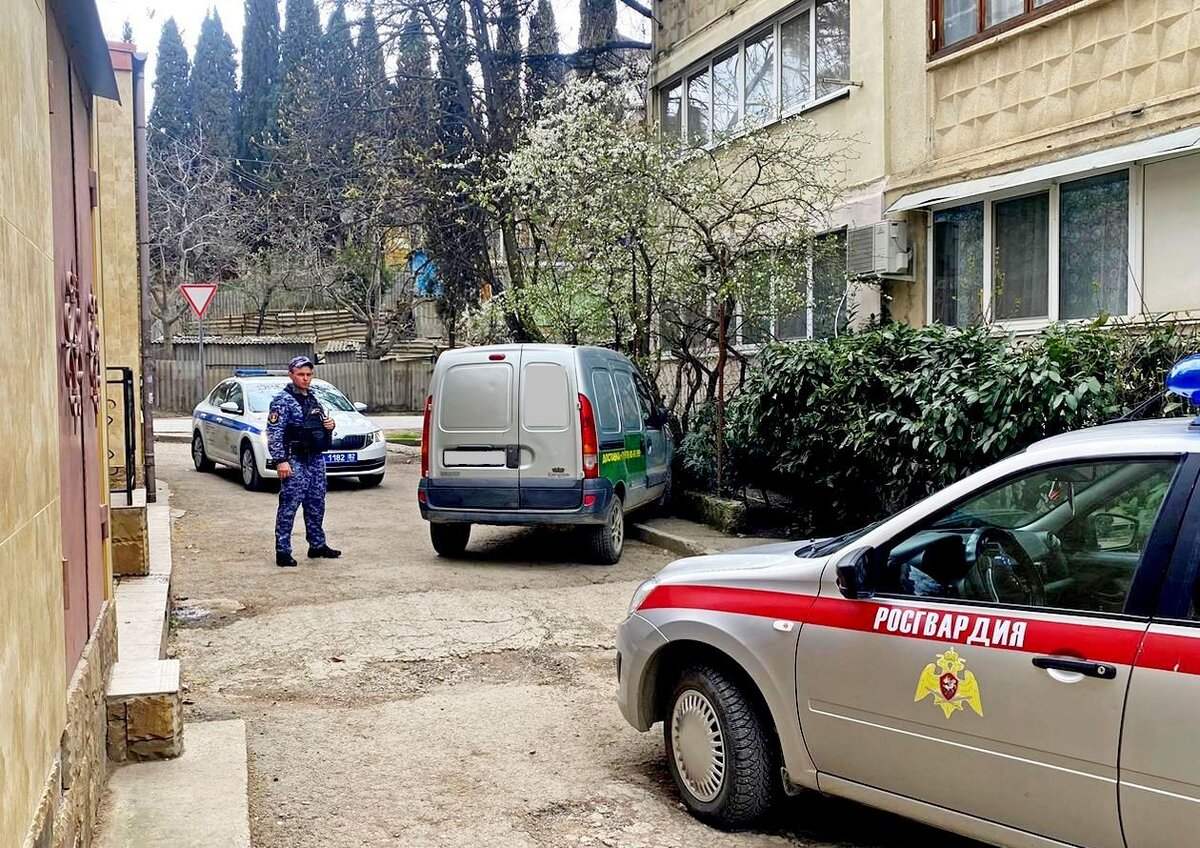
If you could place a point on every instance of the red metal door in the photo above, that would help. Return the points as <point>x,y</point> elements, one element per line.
<point>78,349</point>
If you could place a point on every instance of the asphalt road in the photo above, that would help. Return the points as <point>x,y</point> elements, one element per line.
<point>394,698</point>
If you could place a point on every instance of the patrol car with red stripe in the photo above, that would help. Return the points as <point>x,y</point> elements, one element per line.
<point>1015,658</point>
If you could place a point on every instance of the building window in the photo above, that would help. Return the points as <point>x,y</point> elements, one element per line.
<point>760,77</point>
<point>699,105</point>
<point>820,288</point>
<point>796,61</point>
<point>958,265</point>
<point>958,22</point>
<point>1021,258</point>
<point>1093,256</point>
<point>672,110</point>
<point>833,46</point>
<point>1054,254</point>
<point>727,102</point>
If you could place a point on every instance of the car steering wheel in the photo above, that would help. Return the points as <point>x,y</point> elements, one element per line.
<point>1001,571</point>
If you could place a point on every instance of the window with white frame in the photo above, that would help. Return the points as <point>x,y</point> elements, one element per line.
<point>792,63</point>
<point>821,308</point>
<point>1047,254</point>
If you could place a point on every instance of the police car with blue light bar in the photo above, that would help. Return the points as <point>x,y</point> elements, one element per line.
<point>229,427</point>
<point>1015,658</point>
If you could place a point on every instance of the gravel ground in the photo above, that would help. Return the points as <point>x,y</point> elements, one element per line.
<point>393,698</point>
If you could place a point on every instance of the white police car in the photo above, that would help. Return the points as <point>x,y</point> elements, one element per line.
<point>229,427</point>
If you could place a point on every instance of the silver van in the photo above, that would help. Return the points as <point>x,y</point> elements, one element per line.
<point>540,434</point>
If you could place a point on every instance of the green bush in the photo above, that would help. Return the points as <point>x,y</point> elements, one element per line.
<point>857,427</point>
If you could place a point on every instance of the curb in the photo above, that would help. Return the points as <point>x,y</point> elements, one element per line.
<point>668,541</point>
<point>179,438</point>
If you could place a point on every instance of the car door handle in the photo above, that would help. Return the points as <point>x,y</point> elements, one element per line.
<point>1101,671</point>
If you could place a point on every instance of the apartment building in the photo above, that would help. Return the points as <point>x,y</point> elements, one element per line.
<point>1041,156</point>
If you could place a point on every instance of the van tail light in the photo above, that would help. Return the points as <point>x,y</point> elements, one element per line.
<point>591,445</point>
<point>425,436</point>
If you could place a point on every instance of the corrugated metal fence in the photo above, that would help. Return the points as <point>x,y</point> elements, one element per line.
<point>382,386</point>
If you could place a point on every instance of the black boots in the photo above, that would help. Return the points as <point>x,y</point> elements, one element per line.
<point>323,552</point>
<point>284,560</point>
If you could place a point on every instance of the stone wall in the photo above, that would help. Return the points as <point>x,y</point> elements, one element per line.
<point>66,814</point>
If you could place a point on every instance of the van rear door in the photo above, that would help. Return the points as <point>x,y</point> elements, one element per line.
<point>551,461</point>
<point>474,461</point>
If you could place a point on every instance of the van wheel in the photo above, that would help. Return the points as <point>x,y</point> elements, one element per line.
<point>251,479</point>
<point>199,457</point>
<point>720,751</point>
<point>609,540</point>
<point>449,540</point>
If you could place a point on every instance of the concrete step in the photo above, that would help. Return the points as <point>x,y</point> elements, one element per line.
<point>199,800</point>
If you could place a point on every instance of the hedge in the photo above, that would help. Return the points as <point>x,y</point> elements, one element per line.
<point>854,428</point>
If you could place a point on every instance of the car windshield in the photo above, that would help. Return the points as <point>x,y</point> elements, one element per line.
<point>824,547</point>
<point>261,394</point>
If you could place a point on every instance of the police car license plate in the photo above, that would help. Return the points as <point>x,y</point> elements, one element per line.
<point>339,458</point>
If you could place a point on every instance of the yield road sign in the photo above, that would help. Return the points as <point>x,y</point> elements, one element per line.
<point>199,295</point>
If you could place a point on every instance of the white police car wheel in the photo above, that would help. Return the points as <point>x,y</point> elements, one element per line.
<point>199,457</point>
<point>250,477</point>
<point>698,745</point>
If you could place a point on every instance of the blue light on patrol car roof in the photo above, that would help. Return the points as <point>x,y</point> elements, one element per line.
<point>1184,378</point>
<point>250,372</point>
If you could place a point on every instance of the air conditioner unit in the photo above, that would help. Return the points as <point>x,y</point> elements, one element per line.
<point>878,250</point>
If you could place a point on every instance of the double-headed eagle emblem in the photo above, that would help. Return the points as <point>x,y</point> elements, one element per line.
<point>953,687</point>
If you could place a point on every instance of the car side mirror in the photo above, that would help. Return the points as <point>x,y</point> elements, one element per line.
<point>360,406</point>
<point>230,407</point>
<point>853,573</point>
<point>1113,532</point>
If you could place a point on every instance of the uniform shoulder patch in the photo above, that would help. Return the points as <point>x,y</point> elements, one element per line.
<point>273,418</point>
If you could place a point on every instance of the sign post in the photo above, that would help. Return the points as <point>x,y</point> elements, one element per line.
<point>199,296</point>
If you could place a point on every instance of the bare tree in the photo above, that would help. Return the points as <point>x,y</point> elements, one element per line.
<point>199,226</point>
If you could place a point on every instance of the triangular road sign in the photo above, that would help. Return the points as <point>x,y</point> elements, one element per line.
<point>199,295</point>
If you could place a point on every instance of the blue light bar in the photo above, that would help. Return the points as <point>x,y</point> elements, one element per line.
<point>1184,378</point>
<point>258,372</point>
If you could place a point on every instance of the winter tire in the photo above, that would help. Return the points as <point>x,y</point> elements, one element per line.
<point>720,750</point>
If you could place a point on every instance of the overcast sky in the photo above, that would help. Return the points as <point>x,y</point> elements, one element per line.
<point>147,17</point>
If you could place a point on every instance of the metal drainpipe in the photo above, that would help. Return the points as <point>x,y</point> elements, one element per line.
<point>143,242</point>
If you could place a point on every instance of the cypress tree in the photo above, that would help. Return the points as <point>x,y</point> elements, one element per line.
<point>171,114</point>
<point>299,63</point>
<point>214,89</point>
<point>372,81</point>
<point>260,76</point>
<point>413,102</point>
<point>544,70</point>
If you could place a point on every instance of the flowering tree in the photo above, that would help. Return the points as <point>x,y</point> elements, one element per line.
<point>632,235</point>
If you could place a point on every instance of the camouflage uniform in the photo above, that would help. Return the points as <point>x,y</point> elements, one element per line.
<point>296,435</point>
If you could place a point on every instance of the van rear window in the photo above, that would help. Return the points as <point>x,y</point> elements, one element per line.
<point>475,398</point>
<point>607,417</point>
<point>545,404</point>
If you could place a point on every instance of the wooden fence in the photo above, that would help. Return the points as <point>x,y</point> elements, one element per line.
<point>382,386</point>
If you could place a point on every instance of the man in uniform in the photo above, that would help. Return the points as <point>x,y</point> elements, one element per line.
<point>298,434</point>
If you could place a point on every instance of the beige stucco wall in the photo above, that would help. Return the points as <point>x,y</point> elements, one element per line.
<point>693,29</point>
<point>121,308</point>
<point>32,672</point>
<point>1093,75</point>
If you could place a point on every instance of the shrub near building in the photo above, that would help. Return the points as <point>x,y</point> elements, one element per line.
<point>856,427</point>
